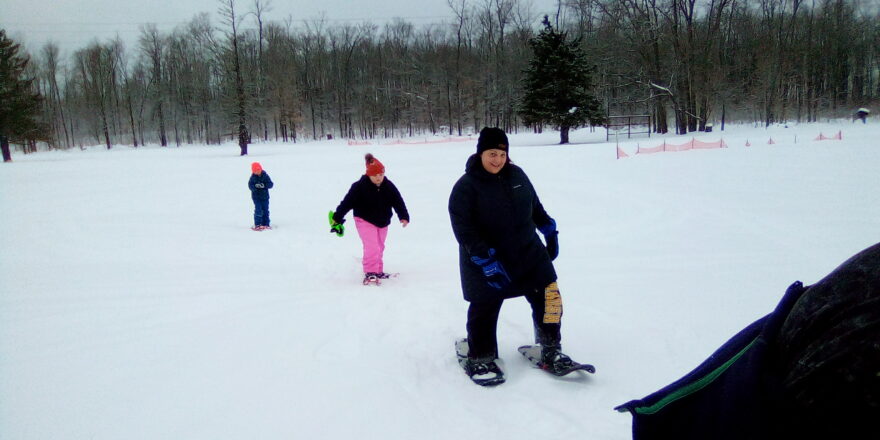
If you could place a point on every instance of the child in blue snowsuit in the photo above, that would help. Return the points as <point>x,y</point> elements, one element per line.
<point>259,184</point>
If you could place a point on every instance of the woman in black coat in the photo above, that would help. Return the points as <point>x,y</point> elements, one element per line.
<point>495,213</point>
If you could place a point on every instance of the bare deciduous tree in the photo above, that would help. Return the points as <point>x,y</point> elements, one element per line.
<point>696,61</point>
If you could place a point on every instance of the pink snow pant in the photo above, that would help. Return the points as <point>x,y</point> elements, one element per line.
<point>373,238</point>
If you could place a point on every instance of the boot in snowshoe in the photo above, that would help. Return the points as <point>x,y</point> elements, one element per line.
<point>371,278</point>
<point>555,361</point>
<point>482,371</point>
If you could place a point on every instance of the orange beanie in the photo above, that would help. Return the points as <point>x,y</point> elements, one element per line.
<point>256,168</point>
<point>374,167</point>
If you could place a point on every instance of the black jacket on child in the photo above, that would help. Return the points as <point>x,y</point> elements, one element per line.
<point>372,203</point>
<point>499,211</point>
<point>260,193</point>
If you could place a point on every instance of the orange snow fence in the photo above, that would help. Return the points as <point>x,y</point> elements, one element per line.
<point>657,149</point>
<point>430,141</point>
<point>444,140</point>
<point>692,145</point>
<point>621,153</point>
<point>836,137</point>
<point>771,141</point>
<point>424,142</point>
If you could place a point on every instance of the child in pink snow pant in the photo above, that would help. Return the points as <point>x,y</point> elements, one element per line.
<point>372,198</point>
<point>373,238</point>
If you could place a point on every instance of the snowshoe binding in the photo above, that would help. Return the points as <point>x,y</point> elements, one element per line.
<point>483,372</point>
<point>377,277</point>
<point>553,361</point>
<point>371,278</point>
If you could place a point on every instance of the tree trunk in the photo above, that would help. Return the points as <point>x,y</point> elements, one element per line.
<point>134,138</point>
<point>163,137</point>
<point>661,125</point>
<point>4,145</point>
<point>563,135</point>
<point>243,137</point>
<point>103,111</point>
<point>105,128</point>
<point>723,115</point>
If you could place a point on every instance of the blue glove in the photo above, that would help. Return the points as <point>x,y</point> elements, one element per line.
<point>551,236</point>
<point>494,272</point>
<point>548,228</point>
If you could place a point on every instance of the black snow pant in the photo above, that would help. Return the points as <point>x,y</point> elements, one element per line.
<point>482,322</point>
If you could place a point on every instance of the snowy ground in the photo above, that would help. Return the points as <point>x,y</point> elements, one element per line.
<point>135,303</point>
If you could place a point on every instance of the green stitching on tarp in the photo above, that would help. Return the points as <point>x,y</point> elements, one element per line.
<point>694,386</point>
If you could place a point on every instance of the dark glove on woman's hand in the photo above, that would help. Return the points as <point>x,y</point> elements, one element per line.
<point>548,228</point>
<point>552,240</point>
<point>494,272</point>
<point>551,236</point>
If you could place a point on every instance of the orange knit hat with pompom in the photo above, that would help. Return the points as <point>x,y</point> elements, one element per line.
<point>374,167</point>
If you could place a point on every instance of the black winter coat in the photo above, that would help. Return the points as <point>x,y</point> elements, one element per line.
<point>260,193</point>
<point>372,203</point>
<point>808,370</point>
<point>499,211</point>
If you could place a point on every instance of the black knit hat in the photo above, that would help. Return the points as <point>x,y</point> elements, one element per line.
<point>809,370</point>
<point>492,138</point>
<point>828,353</point>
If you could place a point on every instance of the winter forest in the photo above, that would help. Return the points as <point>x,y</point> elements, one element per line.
<point>684,62</point>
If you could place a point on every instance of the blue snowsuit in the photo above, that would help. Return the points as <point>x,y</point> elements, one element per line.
<point>260,196</point>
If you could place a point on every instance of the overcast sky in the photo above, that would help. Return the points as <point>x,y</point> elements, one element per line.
<point>72,24</point>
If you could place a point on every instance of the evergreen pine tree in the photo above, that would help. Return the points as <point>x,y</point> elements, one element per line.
<point>558,84</point>
<point>19,105</point>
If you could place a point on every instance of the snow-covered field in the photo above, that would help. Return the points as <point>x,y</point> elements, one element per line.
<point>135,303</point>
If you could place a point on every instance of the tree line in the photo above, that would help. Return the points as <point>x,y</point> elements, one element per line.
<point>250,77</point>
